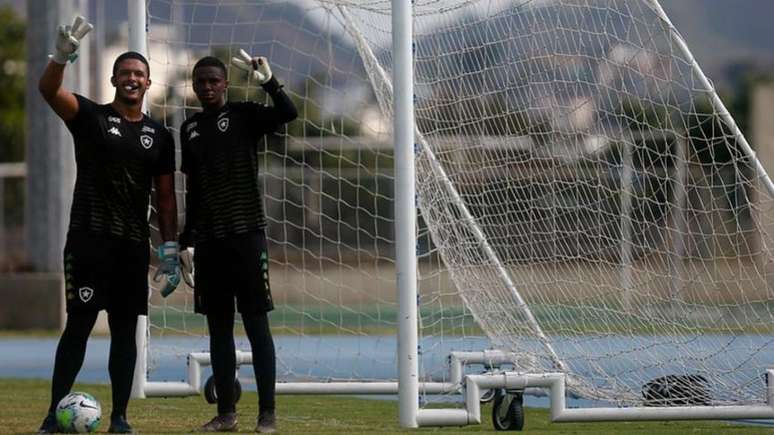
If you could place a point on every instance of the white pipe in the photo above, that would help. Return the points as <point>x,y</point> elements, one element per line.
<point>198,359</point>
<point>405,212</point>
<point>555,382</point>
<point>664,413</point>
<point>203,358</point>
<point>137,42</point>
<point>194,374</point>
<point>473,395</point>
<point>770,386</point>
<point>169,389</point>
<point>359,388</point>
<point>141,364</point>
<point>442,417</point>
<point>165,389</point>
<point>493,357</point>
<point>458,360</point>
<point>138,28</point>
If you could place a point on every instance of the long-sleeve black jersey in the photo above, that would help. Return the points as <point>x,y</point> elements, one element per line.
<point>220,159</point>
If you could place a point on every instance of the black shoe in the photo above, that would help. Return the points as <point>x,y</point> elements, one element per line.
<point>267,422</point>
<point>221,423</point>
<point>119,425</point>
<point>49,425</point>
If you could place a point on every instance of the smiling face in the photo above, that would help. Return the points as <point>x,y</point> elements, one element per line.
<point>131,81</point>
<point>210,84</point>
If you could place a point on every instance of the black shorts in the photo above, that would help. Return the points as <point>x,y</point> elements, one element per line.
<point>236,267</point>
<point>104,273</point>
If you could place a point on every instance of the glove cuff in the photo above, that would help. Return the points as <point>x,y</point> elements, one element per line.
<point>272,86</point>
<point>168,249</point>
<point>60,58</point>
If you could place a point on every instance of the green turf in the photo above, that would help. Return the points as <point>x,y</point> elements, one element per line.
<point>26,401</point>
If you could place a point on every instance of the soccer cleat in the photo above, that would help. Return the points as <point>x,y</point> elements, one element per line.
<point>49,425</point>
<point>267,422</point>
<point>119,425</point>
<point>221,423</point>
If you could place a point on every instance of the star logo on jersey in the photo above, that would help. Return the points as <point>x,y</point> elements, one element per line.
<point>146,141</point>
<point>114,131</point>
<point>223,124</point>
<point>193,134</point>
<point>85,293</point>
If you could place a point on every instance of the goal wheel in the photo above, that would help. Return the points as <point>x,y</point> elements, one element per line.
<point>508,411</point>
<point>211,394</point>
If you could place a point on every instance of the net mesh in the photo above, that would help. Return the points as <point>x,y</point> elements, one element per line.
<point>586,201</point>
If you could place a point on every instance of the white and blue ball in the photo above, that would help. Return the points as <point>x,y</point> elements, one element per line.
<point>78,413</point>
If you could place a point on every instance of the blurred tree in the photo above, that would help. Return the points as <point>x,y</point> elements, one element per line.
<point>12,82</point>
<point>12,131</point>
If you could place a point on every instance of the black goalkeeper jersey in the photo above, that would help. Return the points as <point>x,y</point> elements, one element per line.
<point>116,161</point>
<point>220,160</point>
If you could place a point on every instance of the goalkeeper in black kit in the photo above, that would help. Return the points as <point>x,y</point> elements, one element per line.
<point>119,154</point>
<point>225,222</point>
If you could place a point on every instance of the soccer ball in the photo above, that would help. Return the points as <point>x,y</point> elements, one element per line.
<point>78,412</point>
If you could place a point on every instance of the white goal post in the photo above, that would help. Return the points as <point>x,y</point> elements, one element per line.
<point>592,222</point>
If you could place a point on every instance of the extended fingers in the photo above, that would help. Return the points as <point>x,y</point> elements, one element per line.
<point>245,57</point>
<point>82,29</point>
<point>239,63</point>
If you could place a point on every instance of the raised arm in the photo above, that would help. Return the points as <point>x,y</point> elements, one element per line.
<point>283,110</point>
<point>68,40</point>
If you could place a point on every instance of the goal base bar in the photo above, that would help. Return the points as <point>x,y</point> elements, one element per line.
<point>555,383</point>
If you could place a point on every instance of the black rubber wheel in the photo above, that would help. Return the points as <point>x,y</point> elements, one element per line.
<point>211,394</point>
<point>508,411</point>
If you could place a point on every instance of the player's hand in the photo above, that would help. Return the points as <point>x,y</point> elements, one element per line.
<point>68,39</point>
<point>168,272</point>
<point>257,67</point>
<point>187,266</point>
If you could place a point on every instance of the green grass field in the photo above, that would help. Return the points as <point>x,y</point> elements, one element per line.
<point>26,401</point>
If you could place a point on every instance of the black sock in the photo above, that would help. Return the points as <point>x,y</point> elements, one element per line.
<point>264,362</point>
<point>123,356</point>
<point>223,358</point>
<point>69,354</point>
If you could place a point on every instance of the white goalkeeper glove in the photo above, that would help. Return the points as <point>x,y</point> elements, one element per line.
<point>187,266</point>
<point>168,272</point>
<point>257,67</point>
<point>68,39</point>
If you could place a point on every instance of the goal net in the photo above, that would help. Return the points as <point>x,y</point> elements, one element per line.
<point>586,201</point>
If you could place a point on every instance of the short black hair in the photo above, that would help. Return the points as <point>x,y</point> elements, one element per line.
<point>131,55</point>
<point>210,61</point>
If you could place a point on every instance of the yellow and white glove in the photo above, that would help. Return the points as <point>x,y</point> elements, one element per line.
<point>68,39</point>
<point>257,67</point>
